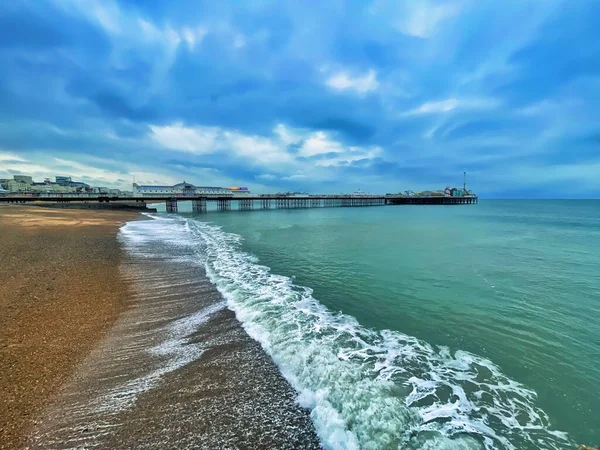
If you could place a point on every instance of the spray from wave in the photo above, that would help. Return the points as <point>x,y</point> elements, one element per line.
<point>371,389</point>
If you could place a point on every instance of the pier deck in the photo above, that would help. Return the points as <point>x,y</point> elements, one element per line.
<point>249,202</point>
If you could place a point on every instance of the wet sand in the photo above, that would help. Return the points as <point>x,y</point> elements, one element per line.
<point>167,365</point>
<point>60,291</point>
<point>177,371</point>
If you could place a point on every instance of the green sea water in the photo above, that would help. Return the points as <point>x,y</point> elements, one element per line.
<point>514,282</point>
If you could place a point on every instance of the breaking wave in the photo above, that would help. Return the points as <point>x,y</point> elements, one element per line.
<point>366,388</point>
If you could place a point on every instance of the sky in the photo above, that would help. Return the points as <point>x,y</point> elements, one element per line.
<point>325,97</point>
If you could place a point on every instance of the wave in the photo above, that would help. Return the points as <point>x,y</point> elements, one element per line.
<point>366,388</point>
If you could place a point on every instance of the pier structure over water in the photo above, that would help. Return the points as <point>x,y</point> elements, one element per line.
<point>251,202</point>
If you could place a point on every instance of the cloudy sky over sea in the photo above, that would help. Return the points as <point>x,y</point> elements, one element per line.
<point>329,96</point>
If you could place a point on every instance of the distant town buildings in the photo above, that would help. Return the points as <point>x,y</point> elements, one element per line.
<point>63,180</point>
<point>23,179</point>
<point>24,184</point>
<point>13,185</point>
<point>448,192</point>
<point>455,192</point>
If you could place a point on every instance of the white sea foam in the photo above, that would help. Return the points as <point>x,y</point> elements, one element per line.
<point>160,230</point>
<point>171,348</point>
<point>174,352</point>
<point>371,389</point>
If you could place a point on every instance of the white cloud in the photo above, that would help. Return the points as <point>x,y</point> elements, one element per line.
<point>239,41</point>
<point>296,177</point>
<point>361,84</point>
<point>118,23</point>
<point>205,140</point>
<point>178,137</point>
<point>287,135</point>
<point>23,168</point>
<point>422,19</point>
<point>351,155</point>
<point>319,143</point>
<point>104,13</point>
<point>583,176</point>
<point>11,158</point>
<point>266,176</point>
<point>149,31</point>
<point>50,167</point>
<point>150,34</point>
<point>77,169</point>
<point>109,177</point>
<point>193,36</point>
<point>434,107</point>
<point>555,107</point>
<point>130,33</point>
<point>107,15</point>
<point>264,151</point>
<point>257,148</point>
<point>534,109</point>
<point>451,104</point>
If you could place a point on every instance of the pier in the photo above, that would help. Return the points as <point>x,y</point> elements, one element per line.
<point>251,202</point>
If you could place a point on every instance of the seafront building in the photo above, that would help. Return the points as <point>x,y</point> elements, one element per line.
<point>185,189</point>
<point>23,179</point>
<point>24,184</point>
<point>15,186</point>
<point>68,182</point>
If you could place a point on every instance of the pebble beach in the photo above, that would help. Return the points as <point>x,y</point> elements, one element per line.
<point>60,291</point>
<point>112,348</point>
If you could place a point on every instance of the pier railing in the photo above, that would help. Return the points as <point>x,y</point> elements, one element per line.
<point>250,202</point>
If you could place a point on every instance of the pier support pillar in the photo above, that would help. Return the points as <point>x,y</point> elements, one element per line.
<point>223,205</point>
<point>199,206</point>
<point>246,205</point>
<point>171,205</point>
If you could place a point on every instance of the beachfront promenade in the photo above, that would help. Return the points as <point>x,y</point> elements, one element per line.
<point>249,202</point>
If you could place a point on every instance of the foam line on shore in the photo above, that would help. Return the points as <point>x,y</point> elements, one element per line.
<point>366,388</point>
<point>177,369</point>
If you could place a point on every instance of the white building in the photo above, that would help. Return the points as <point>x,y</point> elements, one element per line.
<point>17,186</point>
<point>25,183</point>
<point>185,189</point>
<point>51,187</point>
<point>23,178</point>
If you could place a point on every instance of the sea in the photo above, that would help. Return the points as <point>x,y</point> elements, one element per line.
<point>401,327</point>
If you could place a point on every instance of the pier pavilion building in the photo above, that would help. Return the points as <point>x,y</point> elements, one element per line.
<point>185,189</point>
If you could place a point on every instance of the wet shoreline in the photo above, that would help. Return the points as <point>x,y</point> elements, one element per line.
<point>176,369</point>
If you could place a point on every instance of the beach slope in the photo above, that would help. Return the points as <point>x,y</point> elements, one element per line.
<point>60,291</point>
<point>117,339</point>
